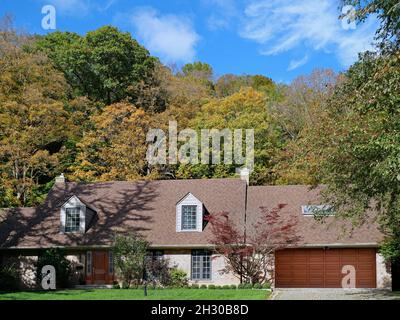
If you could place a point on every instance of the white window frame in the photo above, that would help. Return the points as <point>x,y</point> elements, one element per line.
<point>189,200</point>
<point>73,202</point>
<point>73,228</point>
<point>193,216</point>
<point>203,256</point>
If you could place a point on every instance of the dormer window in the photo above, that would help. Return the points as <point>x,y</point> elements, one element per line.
<point>189,217</point>
<point>189,214</point>
<point>74,215</point>
<point>72,219</point>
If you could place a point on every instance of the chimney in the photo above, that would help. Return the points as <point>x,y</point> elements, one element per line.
<point>244,174</point>
<point>60,178</point>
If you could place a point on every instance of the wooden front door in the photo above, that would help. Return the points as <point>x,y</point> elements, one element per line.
<point>100,272</point>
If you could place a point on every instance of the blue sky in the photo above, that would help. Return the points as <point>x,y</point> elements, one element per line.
<point>280,39</point>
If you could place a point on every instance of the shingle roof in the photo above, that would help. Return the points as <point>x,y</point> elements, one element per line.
<point>332,232</point>
<point>147,207</point>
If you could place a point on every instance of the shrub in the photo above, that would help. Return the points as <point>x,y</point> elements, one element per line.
<point>158,271</point>
<point>195,286</point>
<point>257,286</point>
<point>245,286</point>
<point>178,278</point>
<point>116,286</point>
<point>203,286</point>
<point>56,258</point>
<point>9,277</point>
<point>211,286</point>
<point>233,286</point>
<point>266,285</point>
<point>226,286</point>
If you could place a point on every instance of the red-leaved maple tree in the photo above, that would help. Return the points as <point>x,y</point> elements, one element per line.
<point>249,250</point>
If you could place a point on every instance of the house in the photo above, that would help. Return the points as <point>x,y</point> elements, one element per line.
<point>82,218</point>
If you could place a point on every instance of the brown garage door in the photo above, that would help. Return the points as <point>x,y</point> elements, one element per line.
<point>322,268</point>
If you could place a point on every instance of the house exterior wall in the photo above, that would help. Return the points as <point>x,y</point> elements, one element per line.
<point>383,273</point>
<point>181,258</point>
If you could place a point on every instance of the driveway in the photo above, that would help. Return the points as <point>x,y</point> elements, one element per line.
<point>333,294</point>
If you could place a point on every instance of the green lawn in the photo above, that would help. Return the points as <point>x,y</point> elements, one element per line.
<point>136,294</point>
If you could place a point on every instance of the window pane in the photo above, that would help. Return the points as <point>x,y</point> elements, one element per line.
<point>72,219</point>
<point>189,217</point>
<point>201,265</point>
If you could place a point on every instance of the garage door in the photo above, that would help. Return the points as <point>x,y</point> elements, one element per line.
<point>322,268</point>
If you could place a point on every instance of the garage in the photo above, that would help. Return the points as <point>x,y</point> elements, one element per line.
<point>322,268</point>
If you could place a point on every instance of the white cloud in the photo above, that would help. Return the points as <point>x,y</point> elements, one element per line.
<point>223,12</point>
<point>215,22</point>
<point>79,8</point>
<point>280,26</point>
<point>294,64</point>
<point>70,7</point>
<point>170,36</point>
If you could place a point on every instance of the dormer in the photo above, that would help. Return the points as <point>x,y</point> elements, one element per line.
<point>73,216</point>
<point>189,214</point>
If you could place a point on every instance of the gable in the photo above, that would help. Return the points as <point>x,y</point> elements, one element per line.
<point>189,200</point>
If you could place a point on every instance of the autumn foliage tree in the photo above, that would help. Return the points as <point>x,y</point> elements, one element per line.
<point>249,255</point>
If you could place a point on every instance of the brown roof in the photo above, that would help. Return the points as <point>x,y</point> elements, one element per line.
<point>332,231</point>
<point>146,206</point>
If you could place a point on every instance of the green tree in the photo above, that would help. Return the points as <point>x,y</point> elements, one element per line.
<point>229,84</point>
<point>106,65</point>
<point>130,254</point>
<point>56,258</point>
<point>198,69</point>
<point>388,12</point>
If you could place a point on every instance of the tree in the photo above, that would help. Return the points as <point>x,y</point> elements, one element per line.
<point>303,100</point>
<point>33,122</point>
<point>388,12</point>
<point>106,65</point>
<point>130,254</point>
<point>299,115</point>
<point>250,256</point>
<point>360,159</point>
<point>56,258</point>
<point>198,70</point>
<point>116,147</point>
<point>229,84</point>
<point>247,109</point>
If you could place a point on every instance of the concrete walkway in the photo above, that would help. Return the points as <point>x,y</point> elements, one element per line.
<point>333,294</point>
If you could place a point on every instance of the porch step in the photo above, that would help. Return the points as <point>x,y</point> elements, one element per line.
<point>94,286</point>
